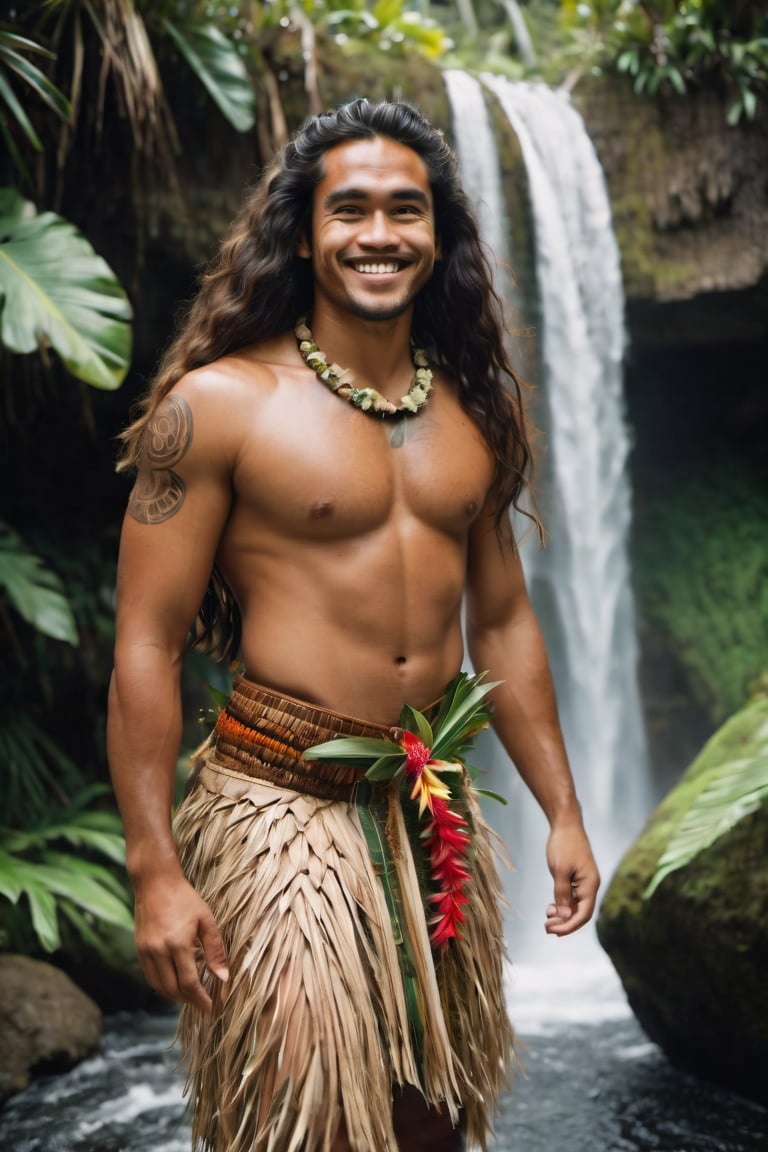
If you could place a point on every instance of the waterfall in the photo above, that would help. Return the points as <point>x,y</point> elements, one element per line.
<point>579,585</point>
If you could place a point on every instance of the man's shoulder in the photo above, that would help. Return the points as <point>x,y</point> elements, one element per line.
<point>249,372</point>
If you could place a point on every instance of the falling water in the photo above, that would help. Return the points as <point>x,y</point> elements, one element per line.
<point>579,584</point>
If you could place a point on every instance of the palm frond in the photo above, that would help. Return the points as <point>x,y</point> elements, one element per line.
<point>13,63</point>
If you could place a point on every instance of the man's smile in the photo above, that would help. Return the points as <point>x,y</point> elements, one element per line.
<point>377,267</point>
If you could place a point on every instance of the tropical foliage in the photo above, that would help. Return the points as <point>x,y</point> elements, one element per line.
<point>17,71</point>
<point>37,863</point>
<point>679,45</point>
<point>56,292</point>
<point>728,793</point>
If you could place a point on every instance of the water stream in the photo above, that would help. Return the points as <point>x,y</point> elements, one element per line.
<point>592,1083</point>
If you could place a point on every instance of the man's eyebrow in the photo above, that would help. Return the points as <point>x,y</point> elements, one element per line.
<point>344,195</point>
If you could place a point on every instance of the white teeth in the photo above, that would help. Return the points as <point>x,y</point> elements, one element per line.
<point>377,269</point>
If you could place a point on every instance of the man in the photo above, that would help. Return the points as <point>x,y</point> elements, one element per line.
<point>331,510</point>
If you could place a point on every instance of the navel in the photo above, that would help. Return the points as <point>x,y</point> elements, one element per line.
<point>322,509</point>
<point>400,659</point>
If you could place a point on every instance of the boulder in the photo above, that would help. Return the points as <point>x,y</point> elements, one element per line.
<point>693,956</point>
<point>46,1023</point>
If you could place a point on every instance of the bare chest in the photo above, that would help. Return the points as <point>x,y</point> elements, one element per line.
<point>314,467</point>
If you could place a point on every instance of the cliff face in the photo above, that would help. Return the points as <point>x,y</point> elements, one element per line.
<point>690,206</point>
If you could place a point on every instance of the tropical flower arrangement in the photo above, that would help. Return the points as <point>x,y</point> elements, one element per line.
<point>428,757</point>
<point>342,382</point>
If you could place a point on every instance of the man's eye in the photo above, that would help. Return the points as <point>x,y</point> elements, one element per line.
<point>347,210</point>
<point>407,210</point>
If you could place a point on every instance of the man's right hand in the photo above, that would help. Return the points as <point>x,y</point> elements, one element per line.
<point>173,926</point>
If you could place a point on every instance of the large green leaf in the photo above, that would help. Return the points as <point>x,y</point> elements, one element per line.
<point>33,590</point>
<point>54,289</point>
<point>99,831</point>
<point>735,790</point>
<point>215,60</point>
<point>19,877</point>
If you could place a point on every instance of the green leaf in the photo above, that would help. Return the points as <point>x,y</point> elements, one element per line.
<point>677,80</point>
<point>466,714</point>
<point>32,76</point>
<point>416,722</point>
<point>734,113</point>
<point>219,698</point>
<point>42,907</point>
<point>12,104</point>
<point>738,789</point>
<point>386,767</point>
<point>20,877</point>
<point>491,795</point>
<point>33,590</point>
<point>54,288</point>
<point>352,748</point>
<point>85,885</point>
<point>220,68</point>
<point>11,879</point>
<point>99,831</point>
<point>749,100</point>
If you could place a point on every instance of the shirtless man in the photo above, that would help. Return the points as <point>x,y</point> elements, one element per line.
<point>342,543</point>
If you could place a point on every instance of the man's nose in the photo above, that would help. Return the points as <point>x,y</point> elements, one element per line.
<point>378,230</point>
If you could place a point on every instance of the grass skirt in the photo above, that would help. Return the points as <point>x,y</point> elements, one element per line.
<point>335,995</point>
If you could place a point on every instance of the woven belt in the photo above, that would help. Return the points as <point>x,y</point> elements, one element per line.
<point>264,735</point>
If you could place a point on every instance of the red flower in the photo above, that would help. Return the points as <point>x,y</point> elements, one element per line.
<point>446,838</point>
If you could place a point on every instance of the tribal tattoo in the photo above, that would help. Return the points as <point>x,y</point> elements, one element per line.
<point>159,491</point>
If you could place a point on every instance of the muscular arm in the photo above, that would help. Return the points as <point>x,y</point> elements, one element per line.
<point>175,517</point>
<point>504,637</point>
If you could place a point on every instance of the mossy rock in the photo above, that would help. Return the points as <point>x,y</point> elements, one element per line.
<point>693,957</point>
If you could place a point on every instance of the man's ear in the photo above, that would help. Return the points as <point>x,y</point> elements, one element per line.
<point>303,247</point>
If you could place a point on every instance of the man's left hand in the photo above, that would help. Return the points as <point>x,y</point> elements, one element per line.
<point>576,877</point>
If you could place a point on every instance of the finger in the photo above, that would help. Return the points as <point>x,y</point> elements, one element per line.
<point>191,989</point>
<point>564,896</point>
<point>161,975</point>
<point>213,948</point>
<point>582,913</point>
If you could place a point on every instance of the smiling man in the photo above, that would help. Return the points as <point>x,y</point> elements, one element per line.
<point>324,466</point>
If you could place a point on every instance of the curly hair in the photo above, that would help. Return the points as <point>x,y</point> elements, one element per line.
<point>257,286</point>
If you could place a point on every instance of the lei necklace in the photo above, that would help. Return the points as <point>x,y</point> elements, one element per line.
<point>341,381</point>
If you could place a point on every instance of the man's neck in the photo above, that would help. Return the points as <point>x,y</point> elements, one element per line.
<point>377,352</point>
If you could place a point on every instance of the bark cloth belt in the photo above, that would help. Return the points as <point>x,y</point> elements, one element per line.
<point>264,735</point>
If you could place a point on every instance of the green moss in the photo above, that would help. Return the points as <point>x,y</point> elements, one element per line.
<point>701,573</point>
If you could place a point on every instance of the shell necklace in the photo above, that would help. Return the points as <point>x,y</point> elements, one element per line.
<point>342,382</point>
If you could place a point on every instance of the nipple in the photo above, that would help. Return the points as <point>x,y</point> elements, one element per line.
<point>321,509</point>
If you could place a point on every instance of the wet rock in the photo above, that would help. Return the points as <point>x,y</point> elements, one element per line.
<point>46,1023</point>
<point>693,957</point>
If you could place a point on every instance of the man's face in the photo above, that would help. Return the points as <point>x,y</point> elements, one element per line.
<point>373,240</point>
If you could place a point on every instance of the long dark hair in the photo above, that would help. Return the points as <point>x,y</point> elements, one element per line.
<point>257,286</point>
